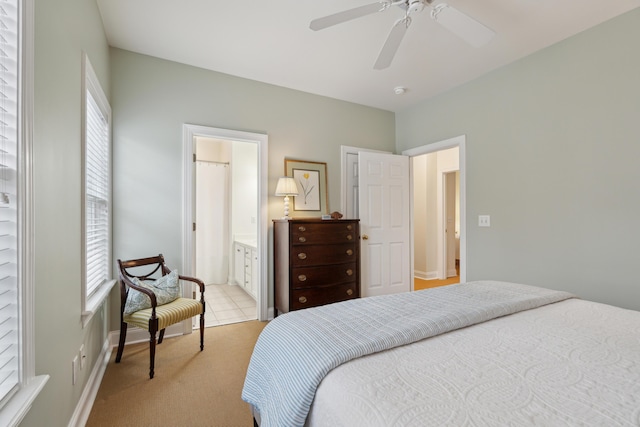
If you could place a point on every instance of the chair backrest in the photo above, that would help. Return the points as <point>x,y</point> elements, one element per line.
<point>156,264</point>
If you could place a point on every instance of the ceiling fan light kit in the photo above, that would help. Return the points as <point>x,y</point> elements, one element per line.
<point>465,27</point>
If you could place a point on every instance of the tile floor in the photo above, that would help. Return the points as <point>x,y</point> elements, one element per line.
<point>228,304</point>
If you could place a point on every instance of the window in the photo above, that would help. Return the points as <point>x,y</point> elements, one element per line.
<point>97,193</point>
<point>9,302</point>
<point>18,384</point>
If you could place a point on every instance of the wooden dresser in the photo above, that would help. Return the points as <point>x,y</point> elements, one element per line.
<point>316,261</point>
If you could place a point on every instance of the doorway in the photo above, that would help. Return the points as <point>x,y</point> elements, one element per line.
<point>447,182</point>
<point>436,218</point>
<point>350,196</point>
<point>244,156</point>
<point>226,210</point>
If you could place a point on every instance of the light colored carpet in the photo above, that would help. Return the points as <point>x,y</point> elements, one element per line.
<point>190,388</point>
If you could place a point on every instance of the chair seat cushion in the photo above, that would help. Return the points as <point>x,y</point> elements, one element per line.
<point>167,314</point>
<point>166,289</point>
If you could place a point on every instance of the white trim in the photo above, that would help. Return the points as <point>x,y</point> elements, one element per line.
<point>18,406</point>
<point>95,301</point>
<point>91,84</point>
<point>188,140</point>
<point>137,335</point>
<point>83,408</point>
<point>458,141</point>
<point>25,183</point>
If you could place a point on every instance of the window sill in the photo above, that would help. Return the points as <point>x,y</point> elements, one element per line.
<point>19,404</point>
<point>95,301</point>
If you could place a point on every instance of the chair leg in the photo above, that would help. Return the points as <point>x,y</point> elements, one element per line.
<point>161,336</point>
<point>123,336</point>
<point>202,332</point>
<point>153,329</point>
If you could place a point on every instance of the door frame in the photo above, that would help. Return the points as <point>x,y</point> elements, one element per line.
<point>458,141</point>
<point>189,132</point>
<point>446,213</point>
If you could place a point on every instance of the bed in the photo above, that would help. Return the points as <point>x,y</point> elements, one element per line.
<point>475,354</point>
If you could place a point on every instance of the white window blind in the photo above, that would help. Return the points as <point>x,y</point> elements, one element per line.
<point>9,281</point>
<point>97,184</point>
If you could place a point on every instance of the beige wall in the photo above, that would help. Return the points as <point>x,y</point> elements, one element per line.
<point>63,30</point>
<point>152,99</point>
<point>552,149</point>
<point>552,154</point>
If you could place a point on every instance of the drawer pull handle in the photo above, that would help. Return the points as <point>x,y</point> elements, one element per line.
<point>349,227</point>
<point>302,228</point>
<point>302,239</point>
<point>349,237</point>
<point>349,252</point>
<point>349,292</point>
<point>304,299</point>
<point>302,278</point>
<point>302,255</point>
<point>349,272</point>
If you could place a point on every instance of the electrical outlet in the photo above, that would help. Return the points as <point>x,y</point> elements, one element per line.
<point>484,221</point>
<point>83,357</point>
<point>74,370</point>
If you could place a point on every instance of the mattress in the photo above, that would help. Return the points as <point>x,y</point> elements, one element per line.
<point>570,363</point>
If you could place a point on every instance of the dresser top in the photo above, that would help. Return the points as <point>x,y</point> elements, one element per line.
<point>315,220</point>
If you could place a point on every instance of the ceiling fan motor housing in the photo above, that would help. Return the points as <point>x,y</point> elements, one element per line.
<point>415,6</point>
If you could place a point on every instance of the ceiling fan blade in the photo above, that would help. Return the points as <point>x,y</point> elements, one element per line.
<point>392,44</point>
<point>348,15</point>
<point>465,27</point>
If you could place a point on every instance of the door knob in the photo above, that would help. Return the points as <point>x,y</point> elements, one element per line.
<point>365,237</point>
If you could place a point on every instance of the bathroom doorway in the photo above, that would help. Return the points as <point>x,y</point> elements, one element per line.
<point>226,228</point>
<point>225,213</point>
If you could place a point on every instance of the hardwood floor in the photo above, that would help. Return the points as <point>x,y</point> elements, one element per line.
<point>419,284</point>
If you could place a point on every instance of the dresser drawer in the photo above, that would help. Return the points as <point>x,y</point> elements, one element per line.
<point>334,232</point>
<point>304,277</point>
<point>312,297</point>
<point>302,255</point>
<point>316,262</point>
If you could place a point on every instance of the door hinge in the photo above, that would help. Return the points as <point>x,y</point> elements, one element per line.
<point>193,226</point>
<point>194,157</point>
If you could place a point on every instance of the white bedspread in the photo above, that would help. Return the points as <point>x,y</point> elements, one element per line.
<point>572,363</point>
<point>296,350</point>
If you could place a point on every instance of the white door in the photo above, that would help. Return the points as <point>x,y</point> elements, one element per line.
<point>384,208</point>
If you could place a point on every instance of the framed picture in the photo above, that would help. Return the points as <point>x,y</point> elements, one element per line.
<point>311,178</point>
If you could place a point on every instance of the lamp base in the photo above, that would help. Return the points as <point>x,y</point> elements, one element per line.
<point>286,208</point>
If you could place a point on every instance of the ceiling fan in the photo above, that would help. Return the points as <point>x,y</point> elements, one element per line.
<point>465,27</point>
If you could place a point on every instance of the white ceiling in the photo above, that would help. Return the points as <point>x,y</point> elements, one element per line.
<point>270,41</point>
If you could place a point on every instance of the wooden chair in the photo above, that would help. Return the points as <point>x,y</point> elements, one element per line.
<point>157,317</point>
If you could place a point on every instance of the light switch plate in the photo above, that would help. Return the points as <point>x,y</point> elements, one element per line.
<point>484,221</point>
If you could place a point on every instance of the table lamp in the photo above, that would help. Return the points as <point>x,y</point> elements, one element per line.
<point>286,187</point>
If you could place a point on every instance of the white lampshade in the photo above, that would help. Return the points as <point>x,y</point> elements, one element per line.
<point>287,187</point>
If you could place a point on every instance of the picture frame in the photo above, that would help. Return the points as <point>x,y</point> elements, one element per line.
<point>311,178</point>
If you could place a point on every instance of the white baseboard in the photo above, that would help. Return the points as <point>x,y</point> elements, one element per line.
<point>83,408</point>
<point>137,335</point>
<point>425,275</point>
<point>422,275</point>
